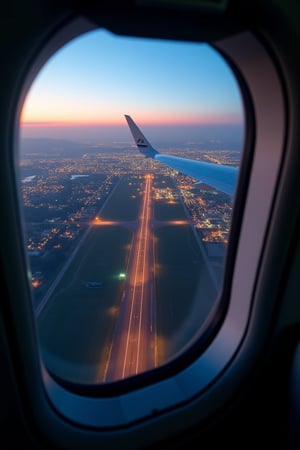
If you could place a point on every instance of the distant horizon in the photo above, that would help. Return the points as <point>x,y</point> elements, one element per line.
<point>221,134</point>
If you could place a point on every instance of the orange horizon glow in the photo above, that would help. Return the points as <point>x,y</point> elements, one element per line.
<point>158,121</point>
<point>48,114</point>
<point>68,115</point>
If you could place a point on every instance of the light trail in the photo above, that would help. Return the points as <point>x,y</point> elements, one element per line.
<point>139,278</point>
<point>133,346</point>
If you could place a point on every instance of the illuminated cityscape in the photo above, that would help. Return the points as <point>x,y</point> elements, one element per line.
<point>62,195</point>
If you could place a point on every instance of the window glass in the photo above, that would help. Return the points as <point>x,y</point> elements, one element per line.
<point>125,249</point>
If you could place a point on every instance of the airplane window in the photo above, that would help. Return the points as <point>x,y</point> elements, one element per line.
<point>129,154</point>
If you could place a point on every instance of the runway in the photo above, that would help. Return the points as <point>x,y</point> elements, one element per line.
<point>133,348</point>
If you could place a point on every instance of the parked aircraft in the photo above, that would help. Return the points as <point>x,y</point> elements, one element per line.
<point>221,177</point>
<point>239,385</point>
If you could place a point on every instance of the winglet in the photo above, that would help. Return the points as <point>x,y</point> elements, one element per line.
<point>141,142</point>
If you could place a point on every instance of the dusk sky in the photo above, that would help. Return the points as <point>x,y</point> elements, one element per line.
<point>86,88</point>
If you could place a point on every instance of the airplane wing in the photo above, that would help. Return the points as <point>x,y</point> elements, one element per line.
<point>219,176</point>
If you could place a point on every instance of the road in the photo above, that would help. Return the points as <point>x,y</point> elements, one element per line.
<point>133,346</point>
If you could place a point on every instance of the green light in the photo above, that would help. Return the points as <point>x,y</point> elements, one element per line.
<point>122,275</point>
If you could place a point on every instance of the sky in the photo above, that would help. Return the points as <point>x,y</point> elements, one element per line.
<point>85,89</point>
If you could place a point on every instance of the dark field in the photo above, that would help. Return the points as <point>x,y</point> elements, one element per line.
<point>76,327</point>
<point>125,200</point>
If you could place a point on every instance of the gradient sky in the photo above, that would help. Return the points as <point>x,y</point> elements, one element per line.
<point>97,78</point>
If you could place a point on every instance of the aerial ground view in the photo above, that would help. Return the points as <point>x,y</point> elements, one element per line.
<point>126,264</point>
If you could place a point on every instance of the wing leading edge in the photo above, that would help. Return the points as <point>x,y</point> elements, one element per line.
<point>221,177</point>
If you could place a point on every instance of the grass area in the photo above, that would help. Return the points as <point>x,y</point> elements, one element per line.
<point>166,210</point>
<point>180,264</point>
<point>77,324</point>
<point>124,203</point>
